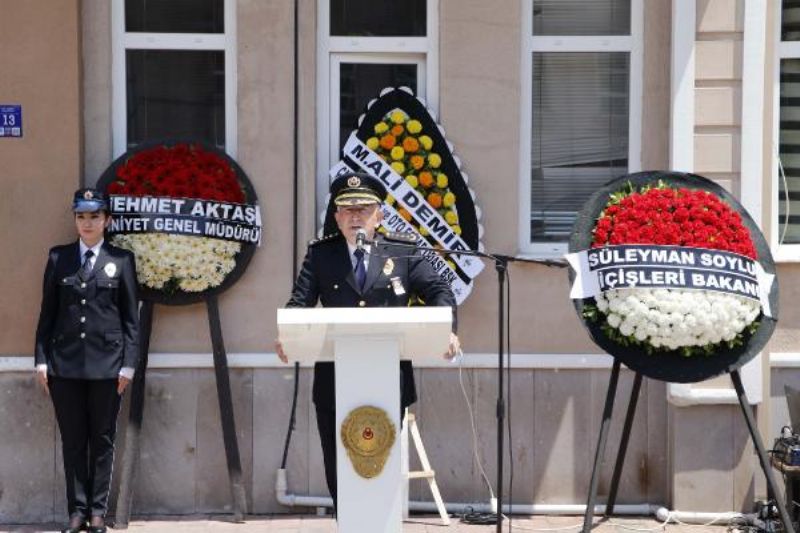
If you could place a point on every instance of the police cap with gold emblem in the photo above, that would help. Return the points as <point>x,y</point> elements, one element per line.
<point>89,200</point>
<point>357,188</point>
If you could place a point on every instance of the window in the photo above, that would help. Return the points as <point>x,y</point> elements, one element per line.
<point>786,224</point>
<point>174,72</point>
<point>365,46</point>
<point>581,78</point>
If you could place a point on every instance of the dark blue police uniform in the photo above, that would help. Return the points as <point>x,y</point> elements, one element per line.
<point>87,332</point>
<point>396,272</point>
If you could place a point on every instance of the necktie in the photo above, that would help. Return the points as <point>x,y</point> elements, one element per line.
<point>359,271</point>
<point>86,268</point>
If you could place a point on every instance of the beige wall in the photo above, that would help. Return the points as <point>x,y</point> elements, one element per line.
<point>554,412</point>
<point>39,172</point>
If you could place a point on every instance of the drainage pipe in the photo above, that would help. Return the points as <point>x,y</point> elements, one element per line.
<point>661,513</point>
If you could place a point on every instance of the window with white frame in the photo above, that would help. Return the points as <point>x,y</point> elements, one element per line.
<point>174,72</point>
<point>786,213</point>
<point>365,46</point>
<point>581,110</point>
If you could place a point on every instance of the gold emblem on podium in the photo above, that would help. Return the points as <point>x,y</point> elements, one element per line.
<point>368,435</point>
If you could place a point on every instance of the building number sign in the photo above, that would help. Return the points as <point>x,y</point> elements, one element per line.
<point>10,120</point>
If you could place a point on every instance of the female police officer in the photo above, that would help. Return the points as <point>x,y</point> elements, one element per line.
<point>86,350</point>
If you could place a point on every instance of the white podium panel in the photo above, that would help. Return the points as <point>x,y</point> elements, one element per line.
<point>307,334</point>
<point>367,369</point>
<point>366,345</point>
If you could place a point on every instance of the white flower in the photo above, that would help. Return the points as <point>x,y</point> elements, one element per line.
<point>677,318</point>
<point>194,263</point>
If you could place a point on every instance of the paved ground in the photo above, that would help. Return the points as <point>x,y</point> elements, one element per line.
<point>423,524</point>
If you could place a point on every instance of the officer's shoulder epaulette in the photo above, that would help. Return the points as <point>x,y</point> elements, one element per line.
<point>324,238</point>
<point>400,236</point>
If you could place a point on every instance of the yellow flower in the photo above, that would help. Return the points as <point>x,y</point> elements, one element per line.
<point>441,180</point>
<point>449,199</point>
<point>424,232</point>
<point>457,229</point>
<point>372,143</point>
<point>381,127</point>
<point>414,126</point>
<point>398,117</point>
<point>451,217</point>
<point>398,153</point>
<point>390,199</point>
<point>426,141</point>
<point>412,180</point>
<point>434,160</point>
<point>398,167</point>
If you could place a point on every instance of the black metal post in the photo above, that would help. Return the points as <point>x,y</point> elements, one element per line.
<point>226,411</point>
<point>130,461</point>
<point>501,266</point>
<point>601,446</point>
<point>623,445</point>
<point>762,454</point>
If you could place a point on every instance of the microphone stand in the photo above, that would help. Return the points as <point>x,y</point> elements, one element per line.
<point>501,267</point>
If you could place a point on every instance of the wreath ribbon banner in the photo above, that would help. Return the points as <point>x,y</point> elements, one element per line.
<point>598,270</point>
<point>186,216</point>
<point>394,222</point>
<point>358,152</point>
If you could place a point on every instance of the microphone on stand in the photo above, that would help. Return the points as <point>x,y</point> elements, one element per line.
<point>361,238</point>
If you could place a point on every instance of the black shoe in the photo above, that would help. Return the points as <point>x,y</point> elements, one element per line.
<point>76,525</point>
<point>101,528</point>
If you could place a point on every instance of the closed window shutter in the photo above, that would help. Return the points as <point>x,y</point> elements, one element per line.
<point>580,134</point>
<point>789,213</point>
<point>581,17</point>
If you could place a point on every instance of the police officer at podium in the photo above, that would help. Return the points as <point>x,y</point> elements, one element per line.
<point>340,271</point>
<point>86,352</point>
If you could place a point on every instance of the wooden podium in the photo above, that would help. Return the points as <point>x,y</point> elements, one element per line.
<point>366,345</point>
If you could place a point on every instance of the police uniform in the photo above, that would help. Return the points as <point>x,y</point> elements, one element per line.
<point>394,274</point>
<point>87,333</point>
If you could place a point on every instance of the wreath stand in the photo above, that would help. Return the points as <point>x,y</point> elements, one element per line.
<point>671,367</point>
<point>747,412</point>
<point>130,460</point>
<point>149,297</point>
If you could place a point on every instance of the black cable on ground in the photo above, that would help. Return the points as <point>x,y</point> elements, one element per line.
<point>472,517</point>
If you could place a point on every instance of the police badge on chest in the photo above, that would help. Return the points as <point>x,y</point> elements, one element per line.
<point>397,286</point>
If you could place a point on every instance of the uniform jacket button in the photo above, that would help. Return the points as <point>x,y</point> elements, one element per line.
<point>362,303</point>
<point>83,319</point>
<point>83,335</point>
<point>83,301</point>
<point>83,285</point>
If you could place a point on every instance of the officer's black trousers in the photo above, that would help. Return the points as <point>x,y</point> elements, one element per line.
<point>86,411</point>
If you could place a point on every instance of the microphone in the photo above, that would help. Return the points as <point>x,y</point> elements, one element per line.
<point>361,238</point>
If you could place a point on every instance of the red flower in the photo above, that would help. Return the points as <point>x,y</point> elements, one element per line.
<point>181,170</point>
<point>678,217</point>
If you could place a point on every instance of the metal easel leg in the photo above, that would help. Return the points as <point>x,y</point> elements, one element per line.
<point>623,445</point>
<point>601,446</point>
<point>130,461</point>
<point>226,411</point>
<point>747,411</point>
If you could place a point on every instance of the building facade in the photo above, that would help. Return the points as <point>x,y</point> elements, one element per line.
<point>542,104</point>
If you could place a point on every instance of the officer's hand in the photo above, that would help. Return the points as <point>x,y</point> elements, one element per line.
<point>454,348</point>
<point>280,352</point>
<point>122,384</point>
<point>41,377</point>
